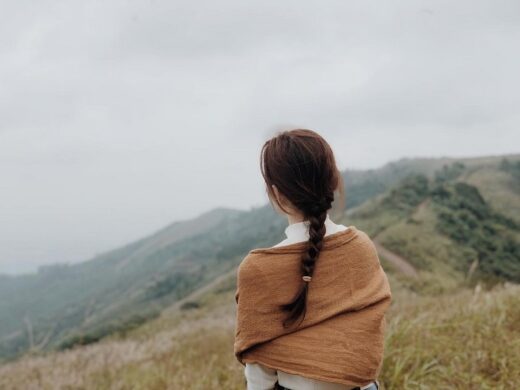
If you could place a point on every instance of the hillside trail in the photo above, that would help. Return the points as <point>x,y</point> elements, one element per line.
<point>399,262</point>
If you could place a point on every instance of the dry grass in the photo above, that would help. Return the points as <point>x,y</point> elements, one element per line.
<point>467,340</point>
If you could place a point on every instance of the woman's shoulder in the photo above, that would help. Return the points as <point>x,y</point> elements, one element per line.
<point>365,247</point>
<point>363,238</point>
<point>246,262</point>
<point>248,265</point>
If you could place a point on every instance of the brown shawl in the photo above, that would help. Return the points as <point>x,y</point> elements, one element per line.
<point>341,338</point>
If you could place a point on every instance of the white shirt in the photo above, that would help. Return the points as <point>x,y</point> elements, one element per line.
<point>260,377</point>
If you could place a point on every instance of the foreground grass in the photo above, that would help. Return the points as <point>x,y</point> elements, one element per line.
<point>467,340</point>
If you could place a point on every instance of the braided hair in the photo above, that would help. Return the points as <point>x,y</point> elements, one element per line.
<point>301,164</point>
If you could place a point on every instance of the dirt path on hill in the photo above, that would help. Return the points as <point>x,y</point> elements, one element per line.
<point>399,262</point>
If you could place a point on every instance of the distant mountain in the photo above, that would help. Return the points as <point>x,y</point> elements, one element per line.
<point>416,207</point>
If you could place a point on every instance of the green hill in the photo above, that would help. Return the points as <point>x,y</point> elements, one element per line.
<point>449,226</point>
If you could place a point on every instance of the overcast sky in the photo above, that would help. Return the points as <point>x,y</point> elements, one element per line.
<point>119,117</point>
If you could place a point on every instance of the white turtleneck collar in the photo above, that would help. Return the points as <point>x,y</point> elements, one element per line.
<point>299,231</point>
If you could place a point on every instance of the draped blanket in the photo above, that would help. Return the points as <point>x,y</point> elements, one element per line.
<point>341,338</point>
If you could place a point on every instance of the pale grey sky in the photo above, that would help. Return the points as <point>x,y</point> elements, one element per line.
<point>119,117</point>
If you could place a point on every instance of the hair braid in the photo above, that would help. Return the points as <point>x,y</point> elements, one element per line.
<point>316,215</point>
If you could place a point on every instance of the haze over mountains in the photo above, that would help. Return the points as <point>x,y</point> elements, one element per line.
<point>444,216</point>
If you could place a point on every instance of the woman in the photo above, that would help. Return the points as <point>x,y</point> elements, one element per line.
<point>311,309</point>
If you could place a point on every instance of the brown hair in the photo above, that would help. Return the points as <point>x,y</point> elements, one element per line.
<point>301,164</point>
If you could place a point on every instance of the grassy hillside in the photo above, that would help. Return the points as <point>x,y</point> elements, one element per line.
<point>499,185</point>
<point>446,227</point>
<point>466,339</point>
